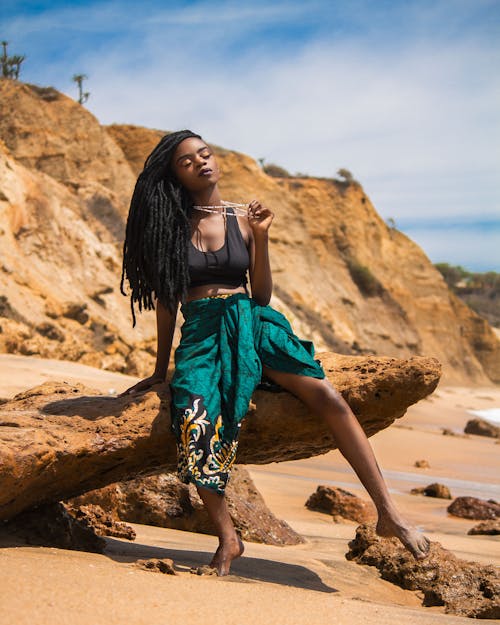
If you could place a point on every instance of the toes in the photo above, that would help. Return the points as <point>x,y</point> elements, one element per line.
<point>423,548</point>
<point>426,547</point>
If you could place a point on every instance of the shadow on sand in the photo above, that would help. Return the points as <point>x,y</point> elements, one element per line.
<point>245,569</point>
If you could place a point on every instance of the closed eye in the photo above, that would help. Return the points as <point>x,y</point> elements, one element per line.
<point>186,161</point>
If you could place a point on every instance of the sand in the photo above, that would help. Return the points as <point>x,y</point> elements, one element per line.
<point>310,583</point>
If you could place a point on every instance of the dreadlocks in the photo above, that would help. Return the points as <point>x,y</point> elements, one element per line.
<point>155,247</point>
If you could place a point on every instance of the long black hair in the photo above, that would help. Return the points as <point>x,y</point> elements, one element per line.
<point>155,247</point>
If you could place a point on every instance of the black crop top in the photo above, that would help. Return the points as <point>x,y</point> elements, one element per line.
<point>228,265</point>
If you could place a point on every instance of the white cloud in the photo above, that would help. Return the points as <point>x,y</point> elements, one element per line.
<point>400,128</point>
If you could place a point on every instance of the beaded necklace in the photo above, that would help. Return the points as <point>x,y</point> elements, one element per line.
<point>238,209</point>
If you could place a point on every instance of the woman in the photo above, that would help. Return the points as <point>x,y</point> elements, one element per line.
<point>184,244</point>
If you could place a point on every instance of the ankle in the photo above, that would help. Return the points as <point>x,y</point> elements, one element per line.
<point>388,512</point>
<point>228,539</point>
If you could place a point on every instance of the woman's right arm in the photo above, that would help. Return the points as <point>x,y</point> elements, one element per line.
<point>165,326</point>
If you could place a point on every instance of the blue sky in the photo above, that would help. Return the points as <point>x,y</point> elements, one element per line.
<point>406,95</point>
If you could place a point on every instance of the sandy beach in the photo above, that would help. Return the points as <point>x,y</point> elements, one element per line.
<point>310,583</point>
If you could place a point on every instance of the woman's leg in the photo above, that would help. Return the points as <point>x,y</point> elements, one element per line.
<point>230,545</point>
<point>325,401</point>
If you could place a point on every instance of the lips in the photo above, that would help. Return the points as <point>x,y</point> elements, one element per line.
<point>205,171</point>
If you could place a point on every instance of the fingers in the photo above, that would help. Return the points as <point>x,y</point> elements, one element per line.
<point>130,391</point>
<point>143,385</point>
<point>258,212</point>
<point>253,208</point>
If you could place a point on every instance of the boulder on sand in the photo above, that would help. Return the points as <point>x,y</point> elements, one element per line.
<point>162,500</point>
<point>58,441</point>
<point>481,427</point>
<point>341,503</point>
<point>474,508</point>
<point>464,588</point>
<point>65,526</point>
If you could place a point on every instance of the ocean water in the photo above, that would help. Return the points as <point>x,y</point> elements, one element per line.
<point>492,414</point>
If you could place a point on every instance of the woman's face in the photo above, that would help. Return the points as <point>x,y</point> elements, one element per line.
<point>194,165</point>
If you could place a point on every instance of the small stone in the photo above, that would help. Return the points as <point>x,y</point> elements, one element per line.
<point>433,490</point>
<point>489,528</point>
<point>157,565</point>
<point>481,427</point>
<point>206,569</point>
<point>422,464</point>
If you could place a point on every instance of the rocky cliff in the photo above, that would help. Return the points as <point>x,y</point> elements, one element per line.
<point>342,276</point>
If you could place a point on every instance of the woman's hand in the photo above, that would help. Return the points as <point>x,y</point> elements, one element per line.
<point>259,217</point>
<point>144,385</point>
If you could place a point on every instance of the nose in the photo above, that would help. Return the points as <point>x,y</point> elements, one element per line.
<point>201,159</point>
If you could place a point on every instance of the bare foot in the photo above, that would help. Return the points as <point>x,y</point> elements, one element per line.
<point>225,554</point>
<point>414,541</point>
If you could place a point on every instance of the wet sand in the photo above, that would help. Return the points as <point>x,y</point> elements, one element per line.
<point>310,583</point>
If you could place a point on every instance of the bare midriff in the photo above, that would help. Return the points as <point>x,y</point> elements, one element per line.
<point>207,290</point>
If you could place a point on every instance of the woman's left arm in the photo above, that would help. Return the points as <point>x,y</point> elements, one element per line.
<point>260,219</point>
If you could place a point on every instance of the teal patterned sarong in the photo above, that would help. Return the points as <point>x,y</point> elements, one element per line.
<point>218,365</point>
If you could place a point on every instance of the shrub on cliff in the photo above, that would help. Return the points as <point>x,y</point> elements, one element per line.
<point>10,65</point>
<point>275,171</point>
<point>480,291</point>
<point>363,278</point>
<point>346,178</point>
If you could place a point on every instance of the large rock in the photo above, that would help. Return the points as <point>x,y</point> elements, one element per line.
<point>58,441</point>
<point>464,588</point>
<point>481,427</point>
<point>54,525</point>
<point>65,526</point>
<point>164,501</point>
<point>100,520</point>
<point>340,503</point>
<point>474,508</point>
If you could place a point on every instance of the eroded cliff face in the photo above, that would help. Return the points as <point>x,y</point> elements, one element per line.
<point>342,276</point>
<point>64,192</point>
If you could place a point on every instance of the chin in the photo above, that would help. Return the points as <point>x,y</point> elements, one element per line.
<point>210,182</point>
